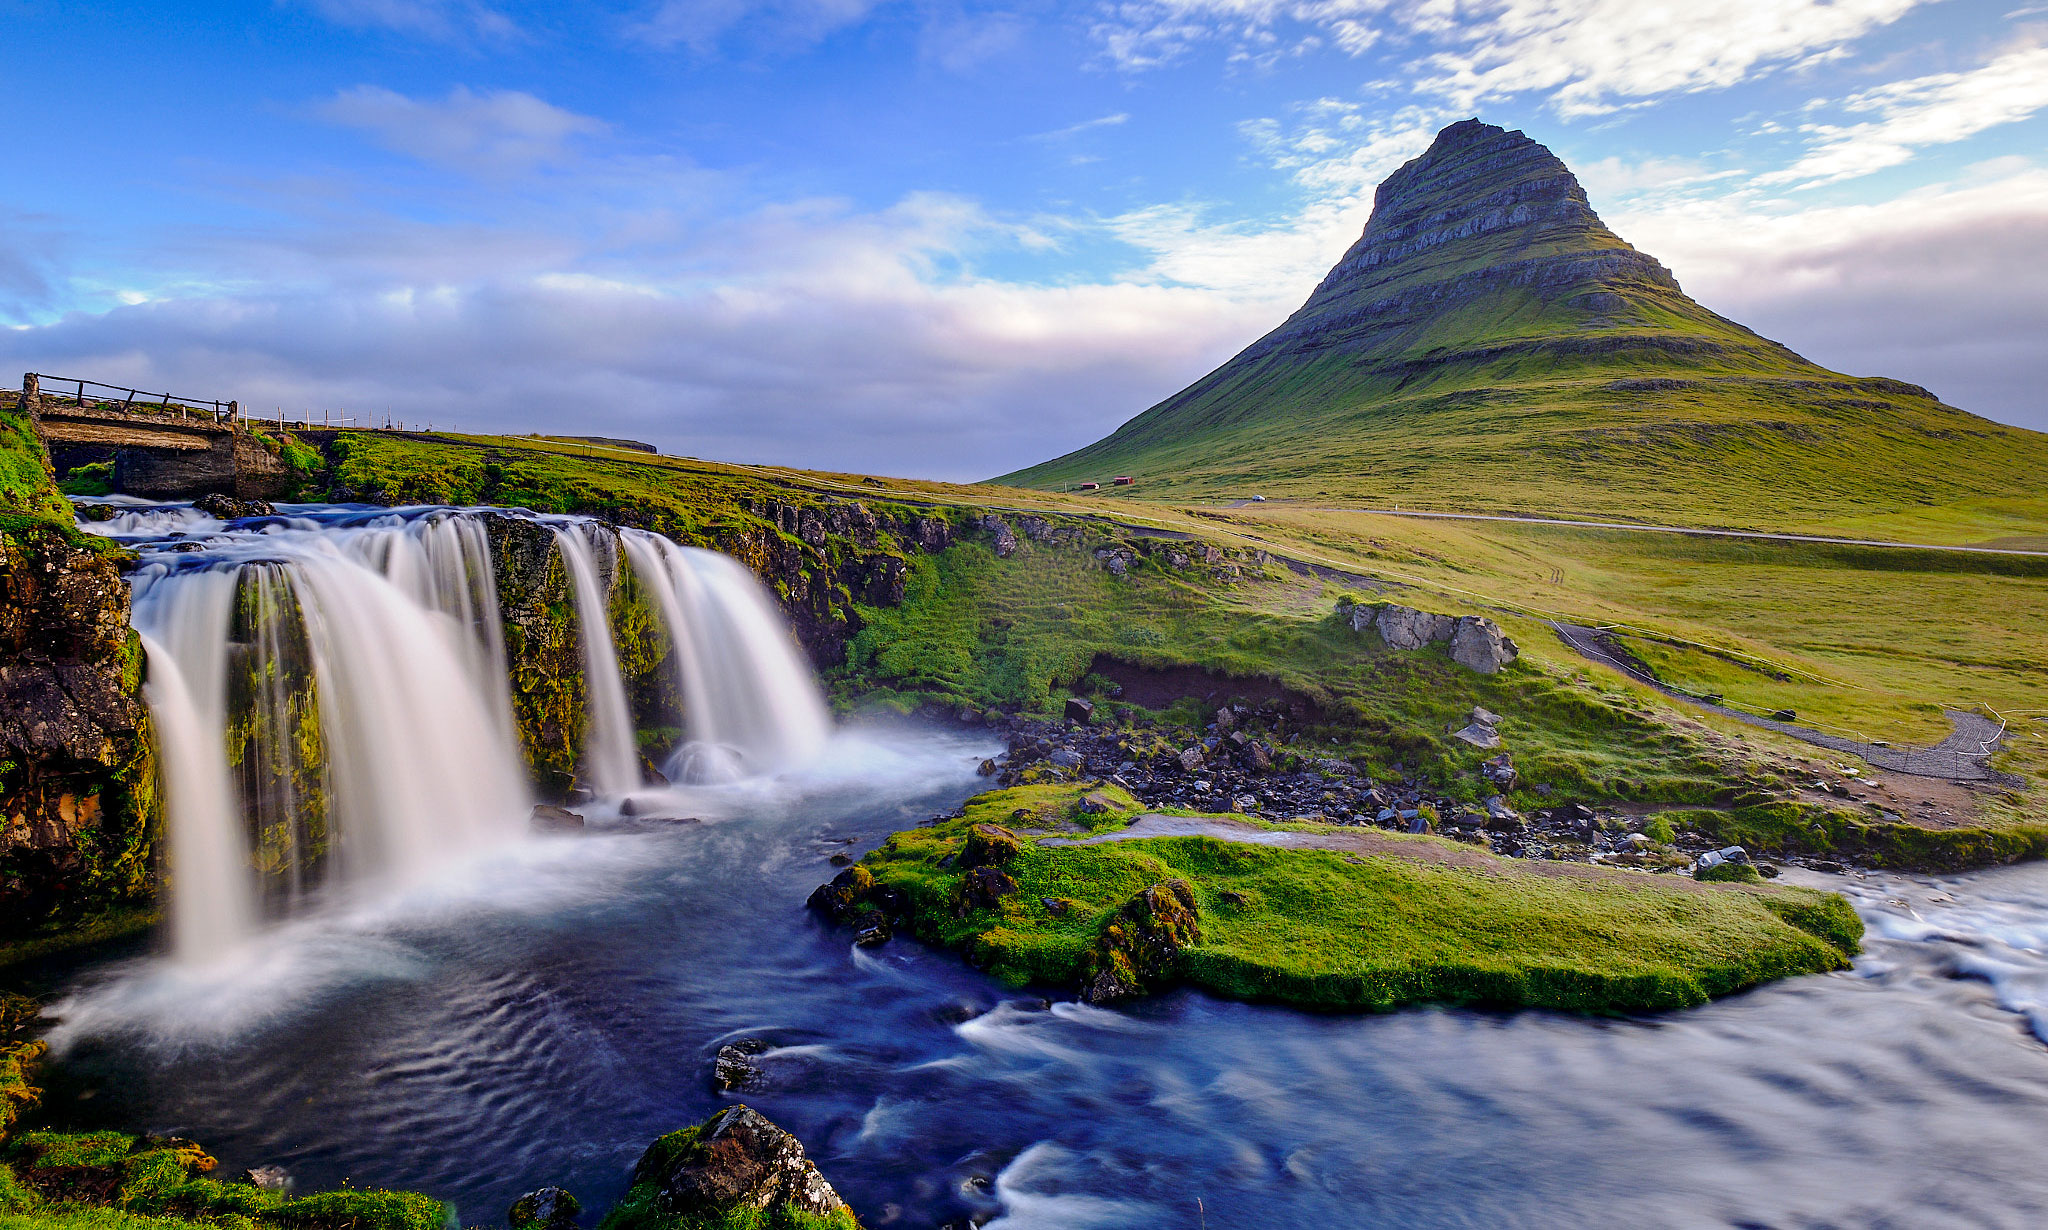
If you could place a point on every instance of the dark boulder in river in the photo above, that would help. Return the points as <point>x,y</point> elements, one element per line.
<point>714,1174</point>
<point>550,1208</point>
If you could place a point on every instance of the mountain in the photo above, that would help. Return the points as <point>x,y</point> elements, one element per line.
<point>1488,343</point>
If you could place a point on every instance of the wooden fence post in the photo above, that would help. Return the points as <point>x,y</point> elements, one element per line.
<point>31,385</point>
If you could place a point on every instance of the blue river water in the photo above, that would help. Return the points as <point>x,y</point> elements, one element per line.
<point>539,1016</point>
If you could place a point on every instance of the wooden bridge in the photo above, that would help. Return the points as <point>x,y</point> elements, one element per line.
<point>160,445</point>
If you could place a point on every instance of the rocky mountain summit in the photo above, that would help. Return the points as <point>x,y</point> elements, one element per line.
<point>1488,342</point>
<point>1485,212</point>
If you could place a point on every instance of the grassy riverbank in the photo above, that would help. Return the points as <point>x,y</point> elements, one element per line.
<point>1376,922</point>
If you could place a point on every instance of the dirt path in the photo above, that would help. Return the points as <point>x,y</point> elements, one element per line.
<point>1962,757</point>
<point>1434,851</point>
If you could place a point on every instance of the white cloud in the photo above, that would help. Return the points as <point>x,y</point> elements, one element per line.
<point>497,132</point>
<point>1591,56</point>
<point>445,21</point>
<point>1586,56</point>
<point>1927,287</point>
<point>1924,111</point>
<point>805,334</point>
<point>1075,130</point>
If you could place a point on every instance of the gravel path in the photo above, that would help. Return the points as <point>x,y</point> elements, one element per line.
<point>1962,757</point>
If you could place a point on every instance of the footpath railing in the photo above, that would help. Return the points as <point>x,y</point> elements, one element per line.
<point>83,394</point>
<point>90,395</point>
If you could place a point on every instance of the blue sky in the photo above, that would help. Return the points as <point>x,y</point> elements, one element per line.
<point>945,238</point>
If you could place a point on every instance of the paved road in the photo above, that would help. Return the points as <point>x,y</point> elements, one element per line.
<point>1664,529</point>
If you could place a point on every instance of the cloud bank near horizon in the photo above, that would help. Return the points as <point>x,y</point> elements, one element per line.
<point>509,259</point>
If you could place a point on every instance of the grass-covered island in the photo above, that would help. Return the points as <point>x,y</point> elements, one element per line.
<point>1060,885</point>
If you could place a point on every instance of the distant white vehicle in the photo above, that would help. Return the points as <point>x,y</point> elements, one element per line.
<point>1258,499</point>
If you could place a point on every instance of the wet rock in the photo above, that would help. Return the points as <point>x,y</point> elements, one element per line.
<point>1141,946</point>
<point>1066,758</point>
<point>987,769</point>
<point>1056,905</point>
<point>547,818</point>
<point>1730,863</point>
<point>983,888</point>
<point>550,1208</point>
<point>871,929</point>
<point>989,845</point>
<point>269,1178</point>
<point>847,891</point>
<point>1079,711</point>
<point>228,508</point>
<point>734,1161</point>
<point>734,1066</point>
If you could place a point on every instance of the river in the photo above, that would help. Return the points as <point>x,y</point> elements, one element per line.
<point>516,1010</point>
<point>542,1016</point>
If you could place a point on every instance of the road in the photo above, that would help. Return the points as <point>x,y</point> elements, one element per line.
<point>1662,529</point>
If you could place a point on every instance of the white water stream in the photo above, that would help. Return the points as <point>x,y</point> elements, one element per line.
<point>611,763</point>
<point>391,622</point>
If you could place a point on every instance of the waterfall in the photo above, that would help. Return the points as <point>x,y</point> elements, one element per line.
<point>750,703</point>
<point>611,760</point>
<point>376,648</point>
<point>333,702</point>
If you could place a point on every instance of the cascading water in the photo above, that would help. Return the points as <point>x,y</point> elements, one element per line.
<point>750,703</point>
<point>333,700</point>
<point>611,763</point>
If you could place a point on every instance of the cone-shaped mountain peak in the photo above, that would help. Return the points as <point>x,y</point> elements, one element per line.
<point>1486,238</point>
<point>1489,343</point>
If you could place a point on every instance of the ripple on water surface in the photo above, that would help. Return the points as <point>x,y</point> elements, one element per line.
<point>540,1017</point>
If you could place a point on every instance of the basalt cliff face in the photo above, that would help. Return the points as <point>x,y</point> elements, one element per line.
<point>78,815</point>
<point>1488,336</point>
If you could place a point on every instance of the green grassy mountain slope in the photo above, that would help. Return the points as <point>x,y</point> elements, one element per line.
<point>1489,344</point>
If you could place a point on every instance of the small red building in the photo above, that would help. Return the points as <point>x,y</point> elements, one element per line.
<point>1123,480</point>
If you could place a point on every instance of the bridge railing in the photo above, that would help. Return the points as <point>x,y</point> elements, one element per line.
<point>87,394</point>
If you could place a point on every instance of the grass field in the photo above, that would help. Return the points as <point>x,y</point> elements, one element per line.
<point>1425,920</point>
<point>1872,641</point>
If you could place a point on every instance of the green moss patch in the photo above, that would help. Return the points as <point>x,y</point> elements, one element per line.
<point>1399,921</point>
<point>114,1180</point>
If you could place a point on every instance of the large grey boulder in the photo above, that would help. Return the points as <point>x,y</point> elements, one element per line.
<point>1478,644</point>
<point>1404,627</point>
